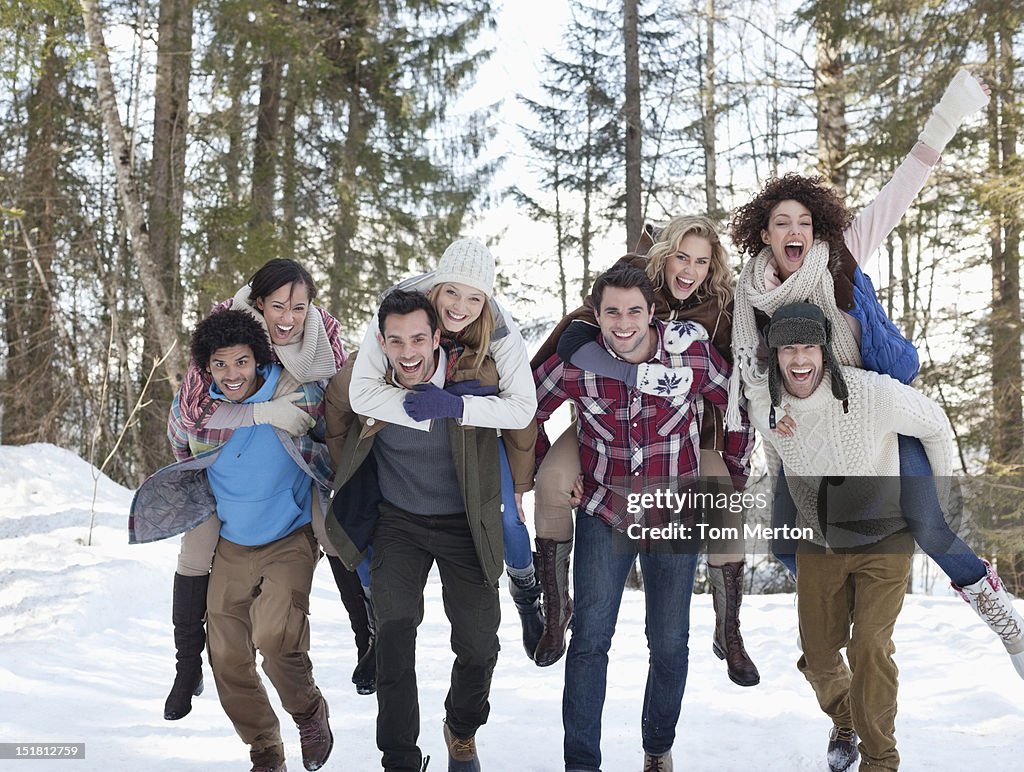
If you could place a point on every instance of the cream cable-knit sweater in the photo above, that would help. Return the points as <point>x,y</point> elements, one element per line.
<point>860,446</point>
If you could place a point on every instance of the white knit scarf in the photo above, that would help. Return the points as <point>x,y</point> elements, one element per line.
<point>811,283</point>
<point>309,356</point>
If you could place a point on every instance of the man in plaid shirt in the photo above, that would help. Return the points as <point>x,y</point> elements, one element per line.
<point>633,443</point>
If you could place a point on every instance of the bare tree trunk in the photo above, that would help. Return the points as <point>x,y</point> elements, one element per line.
<point>224,244</point>
<point>170,129</point>
<point>563,287</point>
<point>631,114</point>
<point>264,158</point>
<point>1003,118</point>
<point>263,235</point>
<point>709,111</point>
<point>30,400</point>
<point>830,92</point>
<point>1006,454</point>
<point>158,304</point>
<point>344,271</point>
<point>586,229</point>
<point>289,173</point>
<point>166,196</point>
<point>908,283</point>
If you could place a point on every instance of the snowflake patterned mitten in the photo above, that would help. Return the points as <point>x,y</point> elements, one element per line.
<point>680,335</point>
<point>654,378</point>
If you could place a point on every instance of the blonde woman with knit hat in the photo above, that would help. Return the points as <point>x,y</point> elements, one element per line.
<point>689,268</point>
<point>461,289</point>
<point>805,246</point>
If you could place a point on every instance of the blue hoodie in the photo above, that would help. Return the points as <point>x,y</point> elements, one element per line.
<point>262,494</point>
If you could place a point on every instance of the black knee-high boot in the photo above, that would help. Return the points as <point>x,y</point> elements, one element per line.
<point>188,609</point>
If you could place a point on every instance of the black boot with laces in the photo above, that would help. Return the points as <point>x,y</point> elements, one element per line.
<point>842,749</point>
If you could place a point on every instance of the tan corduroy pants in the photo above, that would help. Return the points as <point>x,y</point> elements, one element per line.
<point>853,600</point>
<point>259,599</point>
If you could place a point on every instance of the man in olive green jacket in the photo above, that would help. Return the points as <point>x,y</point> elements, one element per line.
<point>421,497</point>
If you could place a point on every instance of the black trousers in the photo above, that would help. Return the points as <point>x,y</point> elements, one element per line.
<point>405,547</point>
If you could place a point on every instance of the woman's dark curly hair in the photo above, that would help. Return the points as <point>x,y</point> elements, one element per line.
<point>229,328</point>
<point>828,212</point>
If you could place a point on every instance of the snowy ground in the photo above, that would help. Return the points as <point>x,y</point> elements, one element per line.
<point>86,656</point>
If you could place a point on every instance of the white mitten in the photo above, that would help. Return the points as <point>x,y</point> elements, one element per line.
<point>681,334</point>
<point>654,378</point>
<point>964,95</point>
<point>282,413</point>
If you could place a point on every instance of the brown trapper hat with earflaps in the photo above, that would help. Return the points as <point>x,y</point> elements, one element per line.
<point>802,324</point>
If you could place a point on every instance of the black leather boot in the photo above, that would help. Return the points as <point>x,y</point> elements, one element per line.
<point>525,592</point>
<point>188,610</point>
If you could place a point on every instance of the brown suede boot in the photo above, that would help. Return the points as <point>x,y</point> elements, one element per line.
<point>315,737</point>
<point>268,760</point>
<point>552,566</point>
<point>726,594</point>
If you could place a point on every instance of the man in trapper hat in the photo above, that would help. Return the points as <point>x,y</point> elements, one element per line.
<point>836,435</point>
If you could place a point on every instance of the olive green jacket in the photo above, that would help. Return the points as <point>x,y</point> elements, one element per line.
<point>354,508</point>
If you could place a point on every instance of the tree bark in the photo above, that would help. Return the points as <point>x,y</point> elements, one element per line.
<point>264,157</point>
<point>166,197</point>
<point>170,129</point>
<point>1003,119</point>
<point>158,304</point>
<point>830,92</point>
<point>31,401</point>
<point>631,114</point>
<point>709,112</point>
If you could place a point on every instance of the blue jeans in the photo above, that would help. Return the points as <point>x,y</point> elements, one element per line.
<point>517,538</point>
<point>784,513</point>
<point>601,563</point>
<point>920,505</point>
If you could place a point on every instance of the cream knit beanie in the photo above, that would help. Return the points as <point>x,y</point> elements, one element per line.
<point>467,261</point>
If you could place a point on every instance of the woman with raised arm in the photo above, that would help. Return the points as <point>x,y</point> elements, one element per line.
<point>804,245</point>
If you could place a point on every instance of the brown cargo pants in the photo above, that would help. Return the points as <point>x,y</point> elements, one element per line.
<point>259,599</point>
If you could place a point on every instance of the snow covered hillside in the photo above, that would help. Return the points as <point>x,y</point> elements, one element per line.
<point>86,655</point>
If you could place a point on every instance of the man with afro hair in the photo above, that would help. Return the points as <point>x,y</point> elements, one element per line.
<point>262,485</point>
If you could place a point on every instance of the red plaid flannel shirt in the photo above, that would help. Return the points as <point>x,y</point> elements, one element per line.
<point>632,442</point>
<point>195,407</point>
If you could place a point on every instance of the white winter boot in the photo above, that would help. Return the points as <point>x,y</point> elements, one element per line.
<point>993,604</point>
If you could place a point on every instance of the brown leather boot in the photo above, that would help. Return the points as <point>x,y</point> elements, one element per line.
<point>552,566</point>
<point>726,594</point>
<point>315,736</point>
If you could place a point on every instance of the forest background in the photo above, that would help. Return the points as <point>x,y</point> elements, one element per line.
<point>154,153</point>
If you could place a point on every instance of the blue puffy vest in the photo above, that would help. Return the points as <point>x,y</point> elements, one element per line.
<point>883,349</point>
